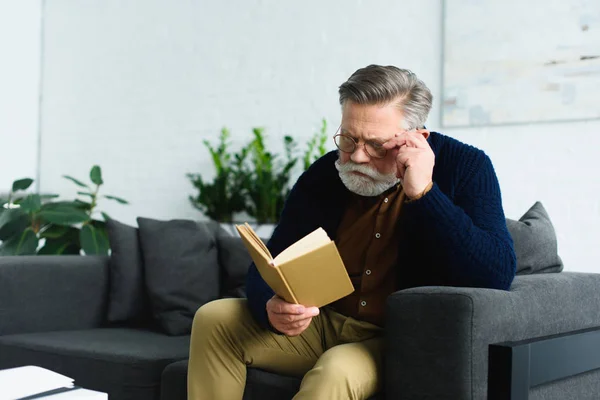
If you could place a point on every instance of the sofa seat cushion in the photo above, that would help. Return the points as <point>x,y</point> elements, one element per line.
<point>125,363</point>
<point>260,385</point>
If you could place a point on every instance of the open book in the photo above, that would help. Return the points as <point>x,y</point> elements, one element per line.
<point>23,382</point>
<point>309,272</point>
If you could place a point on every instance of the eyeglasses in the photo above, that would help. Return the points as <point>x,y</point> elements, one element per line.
<point>348,144</point>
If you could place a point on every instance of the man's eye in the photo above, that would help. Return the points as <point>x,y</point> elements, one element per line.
<point>375,145</point>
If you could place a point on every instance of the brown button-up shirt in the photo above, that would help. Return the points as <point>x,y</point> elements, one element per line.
<point>367,240</point>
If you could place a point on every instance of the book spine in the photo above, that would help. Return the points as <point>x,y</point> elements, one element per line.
<point>285,282</point>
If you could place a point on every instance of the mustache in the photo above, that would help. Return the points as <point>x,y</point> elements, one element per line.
<point>350,166</point>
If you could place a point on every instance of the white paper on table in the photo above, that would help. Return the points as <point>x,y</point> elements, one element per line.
<point>29,380</point>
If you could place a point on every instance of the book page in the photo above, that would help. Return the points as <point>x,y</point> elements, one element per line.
<point>262,259</point>
<point>313,240</point>
<point>248,236</point>
<point>30,380</point>
<point>258,240</point>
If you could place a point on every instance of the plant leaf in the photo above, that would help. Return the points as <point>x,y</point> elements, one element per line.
<point>86,194</point>
<point>62,204</point>
<point>12,221</point>
<point>105,216</point>
<point>22,184</point>
<point>82,205</point>
<point>24,244</point>
<point>96,175</point>
<point>75,181</point>
<point>93,241</point>
<point>60,246</point>
<point>120,200</point>
<point>63,215</point>
<point>31,204</point>
<point>54,231</point>
<point>48,196</point>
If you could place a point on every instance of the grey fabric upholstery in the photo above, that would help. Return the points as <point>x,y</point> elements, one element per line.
<point>439,336</point>
<point>234,261</point>
<point>47,293</point>
<point>181,269</point>
<point>581,387</point>
<point>535,242</point>
<point>126,363</point>
<point>173,383</point>
<point>127,300</point>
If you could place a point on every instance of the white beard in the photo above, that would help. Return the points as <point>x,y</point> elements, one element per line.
<point>361,185</point>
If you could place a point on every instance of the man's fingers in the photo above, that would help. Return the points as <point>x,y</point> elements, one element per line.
<point>397,141</point>
<point>290,318</point>
<point>400,171</point>
<point>416,140</point>
<point>279,306</point>
<point>411,139</point>
<point>297,329</point>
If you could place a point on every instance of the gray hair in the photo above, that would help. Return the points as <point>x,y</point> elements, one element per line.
<point>378,84</point>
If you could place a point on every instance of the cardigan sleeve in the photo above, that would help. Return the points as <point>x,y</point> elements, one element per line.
<point>472,230</point>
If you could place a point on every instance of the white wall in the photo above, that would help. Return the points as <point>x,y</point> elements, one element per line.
<point>136,87</point>
<point>19,89</point>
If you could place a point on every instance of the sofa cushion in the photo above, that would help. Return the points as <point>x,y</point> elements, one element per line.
<point>125,363</point>
<point>535,242</point>
<point>234,260</point>
<point>127,298</point>
<point>181,269</point>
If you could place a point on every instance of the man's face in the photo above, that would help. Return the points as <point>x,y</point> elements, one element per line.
<point>360,172</point>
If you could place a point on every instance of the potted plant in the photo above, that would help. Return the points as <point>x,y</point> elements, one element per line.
<point>267,183</point>
<point>35,224</point>
<point>316,146</point>
<point>253,180</point>
<point>222,198</point>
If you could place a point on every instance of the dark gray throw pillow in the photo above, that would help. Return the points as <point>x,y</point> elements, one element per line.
<point>181,269</point>
<point>126,300</point>
<point>234,260</point>
<point>535,242</point>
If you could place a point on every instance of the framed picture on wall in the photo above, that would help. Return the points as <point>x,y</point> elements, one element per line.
<point>514,61</point>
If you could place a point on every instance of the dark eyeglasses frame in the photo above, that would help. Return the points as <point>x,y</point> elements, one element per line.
<point>356,145</point>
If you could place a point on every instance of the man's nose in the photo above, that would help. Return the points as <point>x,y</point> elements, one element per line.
<point>360,156</point>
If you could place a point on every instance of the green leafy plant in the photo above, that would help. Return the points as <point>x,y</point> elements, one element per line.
<point>222,197</point>
<point>66,227</point>
<point>316,146</point>
<point>268,182</point>
<point>252,180</point>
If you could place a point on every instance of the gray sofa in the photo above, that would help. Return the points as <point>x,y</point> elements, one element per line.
<point>53,313</point>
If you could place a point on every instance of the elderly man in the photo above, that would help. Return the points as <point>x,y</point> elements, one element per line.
<point>405,206</point>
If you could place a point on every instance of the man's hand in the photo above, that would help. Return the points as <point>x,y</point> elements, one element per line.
<point>289,319</point>
<point>414,160</point>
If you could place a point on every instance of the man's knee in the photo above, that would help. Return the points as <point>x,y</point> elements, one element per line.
<point>219,313</point>
<point>333,368</point>
<point>348,365</point>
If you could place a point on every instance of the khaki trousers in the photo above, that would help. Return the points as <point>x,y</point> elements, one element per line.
<point>339,357</point>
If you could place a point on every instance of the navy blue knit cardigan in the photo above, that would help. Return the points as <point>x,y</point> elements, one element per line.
<point>455,235</point>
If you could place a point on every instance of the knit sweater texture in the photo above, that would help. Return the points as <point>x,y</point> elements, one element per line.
<point>455,235</point>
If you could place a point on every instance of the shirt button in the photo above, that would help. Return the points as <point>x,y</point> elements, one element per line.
<point>363,303</point>
<point>378,235</point>
<point>385,200</point>
<point>368,272</point>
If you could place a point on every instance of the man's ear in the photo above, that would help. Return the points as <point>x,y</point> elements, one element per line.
<point>425,133</point>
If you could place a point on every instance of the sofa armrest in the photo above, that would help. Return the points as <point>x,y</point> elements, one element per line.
<point>437,337</point>
<point>49,293</point>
